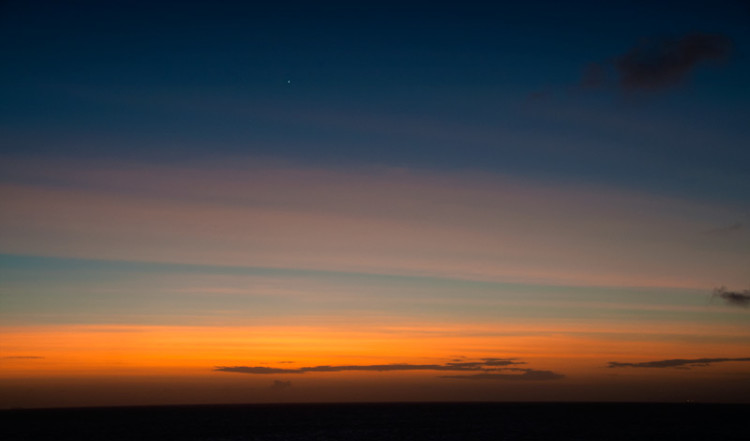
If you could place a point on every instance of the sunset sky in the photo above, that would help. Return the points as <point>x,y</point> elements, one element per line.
<point>233,202</point>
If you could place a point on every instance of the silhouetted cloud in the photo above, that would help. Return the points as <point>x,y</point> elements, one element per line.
<point>486,364</point>
<point>675,363</point>
<point>261,370</point>
<point>527,375</point>
<point>281,385</point>
<point>657,63</point>
<point>501,361</point>
<point>663,62</point>
<point>734,298</point>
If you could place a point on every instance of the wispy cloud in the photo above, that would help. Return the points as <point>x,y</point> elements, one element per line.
<point>485,365</point>
<point>659,62</point>
<point>454,225</point>
<point>733,298</point>
<point>675,363</point>
<point>663,62</point>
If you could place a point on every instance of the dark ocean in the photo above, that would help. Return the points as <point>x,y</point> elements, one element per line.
<point>402,421</point>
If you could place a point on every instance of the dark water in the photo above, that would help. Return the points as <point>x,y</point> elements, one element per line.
<point>412,421</point>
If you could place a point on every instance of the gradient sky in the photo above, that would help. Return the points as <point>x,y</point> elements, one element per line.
<point>209,202</point>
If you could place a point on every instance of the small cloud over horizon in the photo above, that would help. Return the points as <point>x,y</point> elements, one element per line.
<point>675,363</point>
<point>733,298</point>
<point>484,369</point>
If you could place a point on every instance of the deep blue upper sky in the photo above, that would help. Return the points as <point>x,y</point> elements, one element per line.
<point>435,85</point>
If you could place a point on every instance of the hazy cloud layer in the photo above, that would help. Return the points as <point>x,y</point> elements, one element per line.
<point>485,365</point>
<point>657,63</point>
<point>453,225</point>
<point>675,363</point>
<point>733,298</point>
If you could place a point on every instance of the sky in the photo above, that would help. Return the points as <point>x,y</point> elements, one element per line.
<point>252,202</point>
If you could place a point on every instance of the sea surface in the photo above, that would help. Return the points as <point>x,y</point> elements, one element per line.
<point>384,421</point>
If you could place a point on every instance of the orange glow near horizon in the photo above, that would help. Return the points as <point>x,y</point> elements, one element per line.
<point>88,350</point>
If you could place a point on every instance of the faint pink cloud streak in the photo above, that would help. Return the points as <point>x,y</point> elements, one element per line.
<point>463,225</point>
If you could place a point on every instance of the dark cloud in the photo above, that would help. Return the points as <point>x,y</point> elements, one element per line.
<point>281,385</point>
<point>675,363</point>
<point>386,367</point>
<point>733,298</point>
<point>527,375</point>
<point>663,62</point>
<point>657,63</point>
<point>486,364</point>
<point>501,361</point>
<point>257,370</point>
